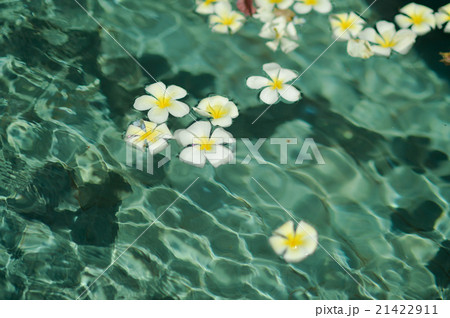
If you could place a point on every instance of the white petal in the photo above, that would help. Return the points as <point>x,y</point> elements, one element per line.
<point>421,29</point>
<point>405,39</point>
<point>447,28</point>
<point>284,4</point>
<point>269,95</point>
<point>257,82</point>
<point>157,89</point>
<point>221,136</point>
<point>193,156</point>
<point>220,28</point>
<point>158,146</point>
<point>178,109</point>
<point>200,129</point>
<point>149,126</point>
<point>386,29</point>
<point>217,100</point>
<point>323,6</point>
<point>359,48</point>
<point>291,31</point>
<point>222,8</point>
<point>144,102</point>
<point>273,45</point>
<point>201,112</point>
<point>295,255</point>
<point>164,131</point>
<point>272,69</point>
<point>219,155</point>
<point>286,75</point>
<point>288,46</point>
<point>158,115</point>
<point>286,229</point>
<point>184,137</point>
<point>368,34</point>
<point>175,92</point>
<point>232,109</point>
<point>222,122</point>
<point>235,26</point>
<point>383,51</point>
<point>403,21</point>
<point>290,93</point>
<point>278,244</point>
<point>302,8</point>
<point>441,18</point>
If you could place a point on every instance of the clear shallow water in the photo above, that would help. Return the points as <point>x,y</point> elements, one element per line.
<point>69,205</point>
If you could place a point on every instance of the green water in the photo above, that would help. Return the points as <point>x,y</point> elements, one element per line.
<point>70,206</point>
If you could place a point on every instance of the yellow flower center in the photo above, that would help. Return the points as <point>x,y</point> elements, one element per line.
<point>205,143</point>
<point>228,20</point>
<point>277,84</point>
<point>294,241</point>
<point>417,19</point>
<point>208,2</point>
<point>345,24</point>
<point>311,2</point>
<point>150,136</point>
<point>216,111</point>
<point>164,102</point>
<point>387,42</point>
<point>275,1</point>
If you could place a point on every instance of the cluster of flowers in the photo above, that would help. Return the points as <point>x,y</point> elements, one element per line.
<point>279,18</point>
<point>414,20</point>
<point>200,144</point>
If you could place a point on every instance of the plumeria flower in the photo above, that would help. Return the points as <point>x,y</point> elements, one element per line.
<point>162,102</point>
<point>281,4</point>
<point>200,145</point>
<point>346,25</point>
<point>224,19</point>
<point>219,108</point>
<point>387,39</point>
<point>443,17</point>
<point>206,6</point>
<point>294,245</point>
<point>305,6</point>
<point>282,33</point>
<point>420,18</point>
<point>276,85</point>
<point>144,134</point>
<point>359,48</point>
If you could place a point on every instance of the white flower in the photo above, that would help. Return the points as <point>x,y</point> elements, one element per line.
<point>162,102</point>
<point>219,108</point>
<point>420,18</point>
<point>276,85</point>
<point>281,4</point>
<point>305,6</point>
<point>443,17</point>
<point>387,39</point>
<point>282,33</point>
<point>359,48</point>
<point>225,19</point>
<point>201,146</point>
<point>294,245</point>
<point>147,134</point>
<point>346,25</point>
<point>206,6</point>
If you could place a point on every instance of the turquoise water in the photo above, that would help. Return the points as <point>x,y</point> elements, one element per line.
<point>70,206</point>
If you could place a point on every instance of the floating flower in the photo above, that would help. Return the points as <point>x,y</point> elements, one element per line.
<point>420,18</point>
<point>219,108</point>
<point>305,6</point>
<point>443,17</point>
<point>225,19</point>
<point>346,25</point>
<point>276,85</point>
<point>359,48</point>
<point>200,145</point>
<point>445,58</point>
<point>281,4</point>
<point>162,102</point>
<point>144,134</point>
<point>387,39</point>
<point>282,33</point>
<point>294,245</point>
<point>207,6</point>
